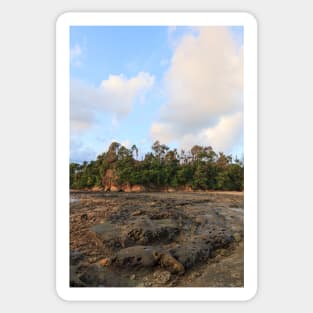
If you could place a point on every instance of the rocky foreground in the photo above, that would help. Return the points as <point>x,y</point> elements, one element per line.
<point>191,239</point>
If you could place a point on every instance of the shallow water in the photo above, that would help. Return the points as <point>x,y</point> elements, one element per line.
<point>72,200</point>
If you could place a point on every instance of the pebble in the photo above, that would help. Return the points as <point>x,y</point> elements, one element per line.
<point>104,262</point>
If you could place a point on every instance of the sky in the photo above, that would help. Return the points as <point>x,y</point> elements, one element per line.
<point>135,85</point>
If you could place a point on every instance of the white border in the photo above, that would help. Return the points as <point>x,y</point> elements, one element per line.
<point>62,155</point>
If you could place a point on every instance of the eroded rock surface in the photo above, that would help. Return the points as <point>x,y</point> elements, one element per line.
<point>156,239</point>
<point>137,256</point>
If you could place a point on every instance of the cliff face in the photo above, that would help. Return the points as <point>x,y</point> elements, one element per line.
<point>109,180</point>
<point>110,183</point>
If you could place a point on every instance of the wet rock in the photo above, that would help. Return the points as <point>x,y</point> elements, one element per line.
<point>75,257</point>
<point>137,256</point>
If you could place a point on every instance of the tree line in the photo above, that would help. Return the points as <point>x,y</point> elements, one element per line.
<point>201,168</point>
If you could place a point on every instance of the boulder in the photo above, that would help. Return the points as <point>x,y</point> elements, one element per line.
<point>199,247</point>
<point>75,257</point>
<point>168,262</point>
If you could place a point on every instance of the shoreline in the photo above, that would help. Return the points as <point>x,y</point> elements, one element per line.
<point>101,191</point>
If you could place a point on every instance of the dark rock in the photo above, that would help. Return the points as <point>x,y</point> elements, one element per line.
<point>216,236</point>
<point>144,231</point>
<point>137,256</point>
<point>93,276</point>
<point>166,239</point>
<point>75,257</point>
<point>97,276</point>
<point>108,233</point>
<point>84,217</point>
<point>199,247</point>
<point>190,253</point>
<point>74,277</point>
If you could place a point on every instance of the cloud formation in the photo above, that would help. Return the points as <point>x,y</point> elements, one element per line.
<point>115,95</point>
<point>204,85</point>
<point>76,54</point>
<point>79,151</point>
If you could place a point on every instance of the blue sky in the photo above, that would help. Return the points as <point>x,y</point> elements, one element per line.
<point>134,85</point>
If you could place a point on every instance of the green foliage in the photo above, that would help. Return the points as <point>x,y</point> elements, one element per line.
<point>201,168</point>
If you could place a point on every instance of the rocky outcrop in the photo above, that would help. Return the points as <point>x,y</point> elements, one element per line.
<point>110,183</point>
<point>125,239</point>
<point>137,256</point>
<point>109,180</point>
<point>137,188</point>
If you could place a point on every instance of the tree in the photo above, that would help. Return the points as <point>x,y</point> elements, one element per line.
<point>134,149</point>
<point>201,167</point>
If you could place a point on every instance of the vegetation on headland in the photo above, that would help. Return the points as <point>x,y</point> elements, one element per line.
<point>201,168</point>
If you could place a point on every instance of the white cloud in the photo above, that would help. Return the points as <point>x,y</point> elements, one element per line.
<point>76,54</point>
<point>115,95</point>
<point>126,143</point>
<point>162,131</point>
<point>75,51</point>
<point>204,85</point>
<point>114,122</point>
<point>227,132</point>
<point>80,152</point>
